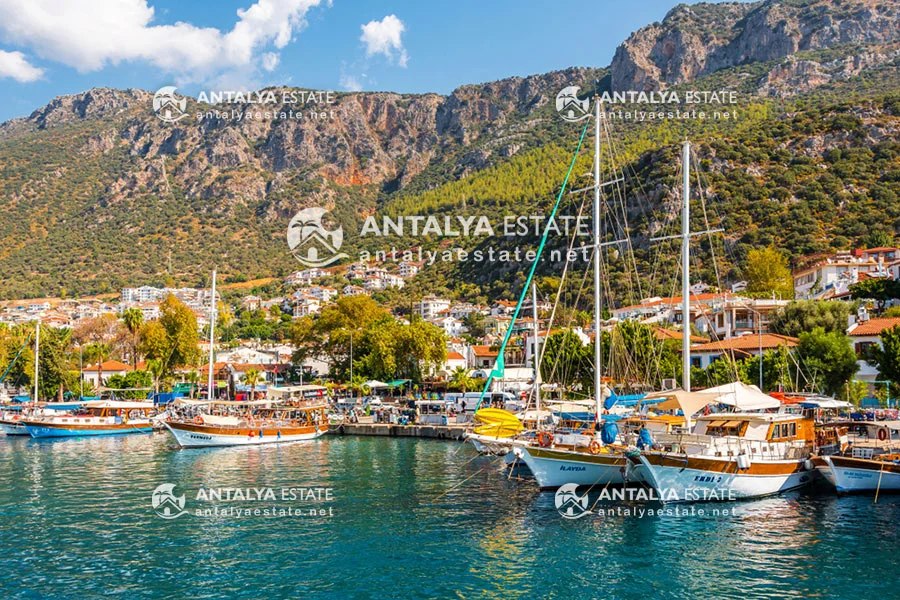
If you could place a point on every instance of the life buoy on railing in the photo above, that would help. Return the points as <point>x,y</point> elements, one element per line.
<point>544,439</point>
<point>595,447</point>
<point>882,434</point>
<point>198,420</point>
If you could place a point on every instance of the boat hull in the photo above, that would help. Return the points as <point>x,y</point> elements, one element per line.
<point>206,436</point>
<point>859,475</point>
<point>38,429</point>
<point>677,478</point>
<point>489,445</point>
<point>553,468</point>
<point>13,428</point>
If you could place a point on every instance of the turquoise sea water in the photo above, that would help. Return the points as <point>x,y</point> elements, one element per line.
<point>408,518</point>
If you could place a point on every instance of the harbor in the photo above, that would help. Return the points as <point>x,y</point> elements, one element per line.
<point>437,432</point>
<point>82,508</point>
<point>347,300</point>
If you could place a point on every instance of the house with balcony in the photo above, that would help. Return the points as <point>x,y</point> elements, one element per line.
<point>831,276</point>
<point>738,348</point>
<point>431,306</point>
<point>734,316</point>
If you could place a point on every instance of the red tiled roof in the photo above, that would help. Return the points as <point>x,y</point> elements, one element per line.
<point>695,298</point>
<point>671,334</point>
<point>485,351</point>
<point>455,356</point>
<point>748,342</point>
<point>110,365</point>
<point>874,326</point>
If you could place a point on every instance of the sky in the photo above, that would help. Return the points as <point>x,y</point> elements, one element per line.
<point>54,47</point>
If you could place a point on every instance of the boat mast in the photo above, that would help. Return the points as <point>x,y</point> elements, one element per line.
<point>37,350</point>
<point>212,336</point>
<point>686,268</point>
<point>598,310</point>
<point>536,354</point>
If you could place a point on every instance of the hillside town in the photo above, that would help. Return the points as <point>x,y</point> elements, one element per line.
<point>724,324</point>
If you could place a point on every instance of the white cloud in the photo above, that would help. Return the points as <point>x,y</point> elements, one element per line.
<point>384,37</point>
<point>16,66</point>
<point>88,35</point>
<point>351,83</point>
<point>270,61</point>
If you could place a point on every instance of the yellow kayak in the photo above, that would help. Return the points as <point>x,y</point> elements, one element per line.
<point>496,422</point>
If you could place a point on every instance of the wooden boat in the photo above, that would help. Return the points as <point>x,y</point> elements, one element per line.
<point>11,425</point>
<point>12,419</point>
<point>861,472</point>
<point>561,459</point>
<point>101,417</point>
<point>248,424</point>
<point>732,456</point>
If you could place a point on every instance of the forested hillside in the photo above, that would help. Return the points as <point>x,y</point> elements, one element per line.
<point>98,193</point>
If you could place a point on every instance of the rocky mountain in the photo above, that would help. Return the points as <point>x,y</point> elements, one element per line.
<point>697,40</point>
<point>97,192</point>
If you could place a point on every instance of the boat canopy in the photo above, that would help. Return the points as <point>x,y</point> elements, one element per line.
<point>689,403</point>
<point>291,389</point>
<point>742,396</point>
<point>116,404</point>
<point>825,403</point>
<point>189,402</point>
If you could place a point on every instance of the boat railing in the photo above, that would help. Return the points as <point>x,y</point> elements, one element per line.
<point>727,446</point>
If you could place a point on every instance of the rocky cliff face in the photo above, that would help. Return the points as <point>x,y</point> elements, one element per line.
<point>693,41</point>
<point>374,138</point>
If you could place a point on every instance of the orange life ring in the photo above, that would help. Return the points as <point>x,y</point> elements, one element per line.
<point>198,420</point>
<point>882,434</point>
<point>595,447</point>
<point>545,439</point>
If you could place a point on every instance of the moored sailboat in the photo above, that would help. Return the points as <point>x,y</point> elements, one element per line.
<point>731,456</point>
<point>101,417</point>
<point>248,423</point>
<point>861,474</point>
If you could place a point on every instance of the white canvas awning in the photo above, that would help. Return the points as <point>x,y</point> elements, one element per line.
<point>826,403</point>
<point>742,396</point>
<point>690,403</point>
<point>374,384</point>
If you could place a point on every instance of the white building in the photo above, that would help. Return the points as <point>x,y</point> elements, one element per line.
<point>354,290</point>
<point>834,275</point>
<point>431,306</point>
<point>305,277</point>
<point>323,293</point>
<point>451,326</point>
<point>409,269</point>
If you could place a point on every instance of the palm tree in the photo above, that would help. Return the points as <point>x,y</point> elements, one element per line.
<point>460,379</point>
<point>133,319</point>
<point>252,377</point>
<point>359,384</point>
<point>155,367</point>
<point>193,378</point>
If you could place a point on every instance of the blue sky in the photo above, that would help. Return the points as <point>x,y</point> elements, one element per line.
<point>54,47</point>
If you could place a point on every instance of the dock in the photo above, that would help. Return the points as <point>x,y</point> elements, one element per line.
<point>438,432</point>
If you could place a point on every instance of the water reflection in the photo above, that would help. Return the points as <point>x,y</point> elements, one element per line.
<point>412,518</point>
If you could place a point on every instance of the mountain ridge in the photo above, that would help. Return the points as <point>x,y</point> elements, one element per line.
<point>100,193</point>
